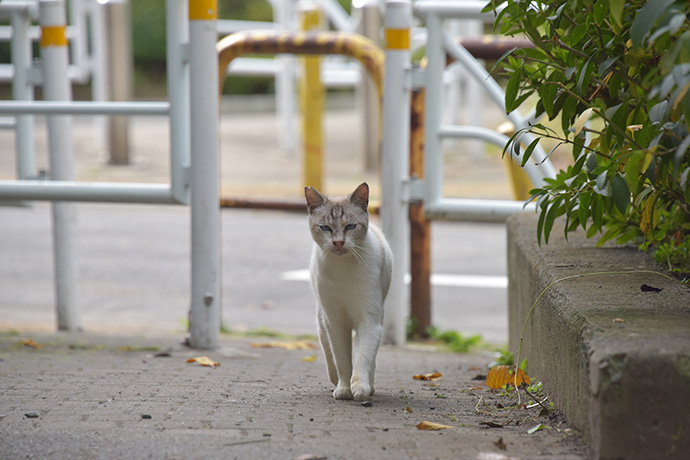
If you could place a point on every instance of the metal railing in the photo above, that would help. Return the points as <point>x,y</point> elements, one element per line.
<point>192,108</point>
<point>398,188</point>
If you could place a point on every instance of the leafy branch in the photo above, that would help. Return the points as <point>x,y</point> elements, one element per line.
<point>629,67</point>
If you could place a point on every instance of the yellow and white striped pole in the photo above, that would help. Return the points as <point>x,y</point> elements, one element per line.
<point>395,162</point>
<point>56,87</point>
<point>311,94</point>
<point>206,305</point>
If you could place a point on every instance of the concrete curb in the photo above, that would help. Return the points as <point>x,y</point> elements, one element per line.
<point>615,356</point>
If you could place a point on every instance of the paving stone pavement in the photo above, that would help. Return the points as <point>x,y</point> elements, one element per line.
<point>102,397</point>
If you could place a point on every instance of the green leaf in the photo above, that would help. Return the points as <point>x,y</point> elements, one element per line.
<point>628,236</point>
<point>583,78</point>
<point>577,34</point>
<point>583,208</point>
<point>616,7</point>
<point>684,178</point>
<point>500,60</point>
<point>602,183</point>
<point>535,428</point>
<point>604,66</point>
<point>548,94</point>
<point>551,216</point>
<point>597,211</point>
<point>615,83</point>
<point>658,112</point>
<point>591,162</point>
<point>567,114</point>
<point>646,18</point>
<point>591,231</point>
<point>528,151</point>
<point>599,12</point>
<point>680,151</point>
<point>540,221</point>
<point>610,234</point>
<point>512,90</point>
<point>621,193</point>
<point>633,170</point>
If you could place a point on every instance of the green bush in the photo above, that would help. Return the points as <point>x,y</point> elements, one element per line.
<point>624,66</point>
<point>148,33</point>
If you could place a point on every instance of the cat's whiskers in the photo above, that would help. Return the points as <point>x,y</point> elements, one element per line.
<point>359,252</point>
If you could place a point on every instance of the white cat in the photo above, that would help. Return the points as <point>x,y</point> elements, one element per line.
<point>350,272</point>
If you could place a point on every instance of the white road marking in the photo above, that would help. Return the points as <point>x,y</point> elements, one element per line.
<point>438,279</point>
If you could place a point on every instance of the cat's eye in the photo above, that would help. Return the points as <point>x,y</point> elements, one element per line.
<point>350,226</point>
<point>326,228</point>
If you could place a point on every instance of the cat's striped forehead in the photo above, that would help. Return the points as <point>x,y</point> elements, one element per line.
<point>337,211</point>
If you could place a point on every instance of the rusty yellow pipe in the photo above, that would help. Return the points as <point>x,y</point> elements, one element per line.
<point>325,42</point>
<point>311,96</point>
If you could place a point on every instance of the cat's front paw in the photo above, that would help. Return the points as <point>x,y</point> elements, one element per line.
<point>360,390</point>
<point>342,393</point>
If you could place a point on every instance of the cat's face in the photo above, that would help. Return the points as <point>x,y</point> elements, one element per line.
<point>338,225</point>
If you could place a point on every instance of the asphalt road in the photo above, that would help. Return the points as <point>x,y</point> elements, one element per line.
<point>134,271</point>
<point>134,261</point>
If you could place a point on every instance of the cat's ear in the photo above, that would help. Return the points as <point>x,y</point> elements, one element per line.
<point>314,198</point>
<point>360,196</point>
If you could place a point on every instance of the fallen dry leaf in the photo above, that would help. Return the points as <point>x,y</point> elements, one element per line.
<point>648,288</point>
<point>500,444</point>
<point>204,361</point>
<point>30,343</point>
<point>309,359</point>
<point>431,426</point>
<point>499,376</point>
<point>285,345</point>
<point>491,424</point>
<point>408,410</point>
<point>431,377</point>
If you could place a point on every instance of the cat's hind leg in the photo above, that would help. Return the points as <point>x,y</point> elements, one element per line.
<point>326,347</point>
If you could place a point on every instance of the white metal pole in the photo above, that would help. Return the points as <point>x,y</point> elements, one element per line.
<point>395,162</point>
<point>286,97</point>
<point>369,25</point>
<point>23,90</point>
<point>78,47</point>
<point>177,31</point>
<point>56,86</point>
<point>473,106</point>
<point>205,314</point>
<point>99,76</point>
<point>433,158</point>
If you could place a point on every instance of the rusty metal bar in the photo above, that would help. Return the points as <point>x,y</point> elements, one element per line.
<point>420,226</point>
<point>278,205</point>
<point>322,42</point>
<point>490,47</point>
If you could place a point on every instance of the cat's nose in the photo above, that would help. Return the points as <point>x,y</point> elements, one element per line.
<point>338,242</point>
